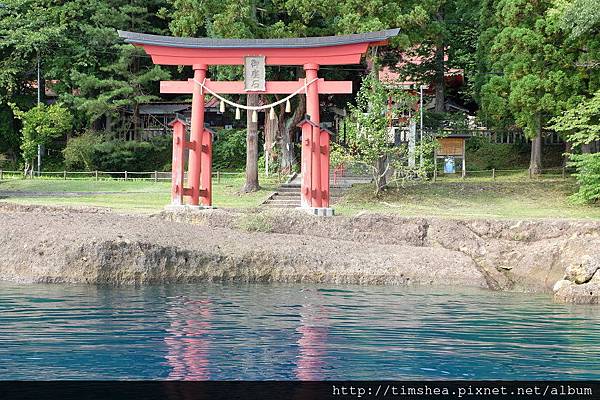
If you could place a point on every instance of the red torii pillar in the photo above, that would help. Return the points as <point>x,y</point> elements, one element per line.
<point>196,136</point>
<point>312,110</point>
<point>315,149</point>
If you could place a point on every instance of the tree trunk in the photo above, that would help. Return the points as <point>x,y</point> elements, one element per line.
<point>109,122</point>
<point>251,184</point>
<point>440,90</point>
<point>440,69</point>
<point>380,170</point>
<point>12,155</point>
<point>568,149</point>
<point>136,122</point>
<point>271,135</point>
<point>535,164</point>
<point>287,128</point>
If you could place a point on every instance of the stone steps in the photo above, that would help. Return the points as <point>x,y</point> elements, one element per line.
<point>288,194</point>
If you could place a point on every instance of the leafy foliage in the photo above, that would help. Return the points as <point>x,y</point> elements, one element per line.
<point>368,138</point>
<point>588,177</point>
<point>581,125</point>
<point>229,150</point>
<point>107,75</point>
<point>534,80</point>
<point>79,152</point>
<point>529,72</point>
<point>483,155</point>
<point>9,135</point>
<point>93,72</point>
<point>117,155</point>
<point>41,124</point>
<point>442,34</point>
<point>581,17</point>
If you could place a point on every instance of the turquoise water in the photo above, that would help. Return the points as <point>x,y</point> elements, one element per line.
<point>213,331</point>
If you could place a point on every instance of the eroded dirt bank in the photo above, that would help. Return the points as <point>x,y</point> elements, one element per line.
<point>41,244</point>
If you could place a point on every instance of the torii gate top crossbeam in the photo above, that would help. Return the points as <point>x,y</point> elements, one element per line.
<point>327,50</point>
<point>272,87</point>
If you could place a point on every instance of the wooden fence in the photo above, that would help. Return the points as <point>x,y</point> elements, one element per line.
<point>160,176</point>
<point>156,176</point>
<point>493,174</point>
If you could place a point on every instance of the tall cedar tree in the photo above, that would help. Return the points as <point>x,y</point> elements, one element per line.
<point>535,77</point>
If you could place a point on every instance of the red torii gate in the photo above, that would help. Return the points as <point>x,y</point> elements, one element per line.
<point>200,53</point>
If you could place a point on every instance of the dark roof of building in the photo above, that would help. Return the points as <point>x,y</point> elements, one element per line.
<point>217,43</point>
<point>455,135</point>
<point>163,108</point>
<point>169,108</point>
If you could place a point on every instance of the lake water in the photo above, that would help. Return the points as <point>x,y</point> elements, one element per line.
<point>214,331</point>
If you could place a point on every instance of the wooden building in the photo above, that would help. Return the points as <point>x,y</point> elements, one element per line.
<point>155,117</point>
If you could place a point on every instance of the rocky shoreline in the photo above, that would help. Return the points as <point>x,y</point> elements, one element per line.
<point>96,246</point>
<point>581,283</point>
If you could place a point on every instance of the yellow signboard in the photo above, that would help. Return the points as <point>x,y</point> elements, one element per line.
<point>451,146</point>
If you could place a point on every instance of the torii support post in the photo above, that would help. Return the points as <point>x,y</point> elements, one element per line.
<point>199,188</point>
<point>324,153</point>
<point>318,151</point>
<point>177,164</point>
<point>206,168</point>
<point>306,188</point>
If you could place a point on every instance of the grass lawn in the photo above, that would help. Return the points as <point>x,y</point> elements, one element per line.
<point>46,185</point>
<point>509,196</point>
<point>131,195</point>
<point>475,197</point>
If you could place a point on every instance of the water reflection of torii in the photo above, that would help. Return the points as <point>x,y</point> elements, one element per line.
<point>312,343</point>
<point>187,343</point>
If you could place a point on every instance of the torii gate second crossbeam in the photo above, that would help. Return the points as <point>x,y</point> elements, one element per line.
<point>200,53</point>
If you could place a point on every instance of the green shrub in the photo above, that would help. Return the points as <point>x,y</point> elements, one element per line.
<point>41,125</point>
<point>483,155</point>
<point>229,149</point>
<point>581,126</point>
<point>92,151</point>
<point>9,138</point>
<point>274,165</point>
<point>79,152</point>
<point>118,155</point>
<point>588,177</point>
